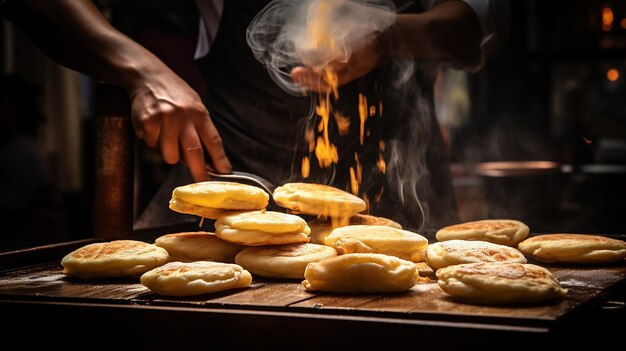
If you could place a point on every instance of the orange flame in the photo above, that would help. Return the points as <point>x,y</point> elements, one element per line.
<point>356,176</point>
<point>362,114</point>
<point>306,167</point>
<point>354,184</point>
<point>380,163</point>
<point>325,151</point>
<point>343,123</point>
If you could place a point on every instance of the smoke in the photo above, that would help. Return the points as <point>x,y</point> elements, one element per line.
<point>412,142</point>
<point>313,33</point>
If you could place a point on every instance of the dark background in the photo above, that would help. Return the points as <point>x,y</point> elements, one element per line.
<point>545,95</point>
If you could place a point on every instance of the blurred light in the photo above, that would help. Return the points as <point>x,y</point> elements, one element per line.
<point>587,140</point>
<point>623,23</point>
<point>612,74</point>
<point>607,19</point>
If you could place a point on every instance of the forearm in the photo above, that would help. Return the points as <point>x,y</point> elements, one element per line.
<point>448,32</point>
<point>76,34</point>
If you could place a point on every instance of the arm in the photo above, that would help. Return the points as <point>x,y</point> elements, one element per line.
<point>166,111</point>
<point>450,33</point>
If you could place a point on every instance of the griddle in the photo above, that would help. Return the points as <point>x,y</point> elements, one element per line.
<point>36,296</point>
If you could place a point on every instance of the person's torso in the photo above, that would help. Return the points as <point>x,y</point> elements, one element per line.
<point>264,129</point>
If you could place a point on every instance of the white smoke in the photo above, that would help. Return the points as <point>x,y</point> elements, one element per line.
<point>313,33</point>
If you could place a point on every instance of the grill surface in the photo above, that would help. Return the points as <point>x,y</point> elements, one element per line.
<point>38,291</point>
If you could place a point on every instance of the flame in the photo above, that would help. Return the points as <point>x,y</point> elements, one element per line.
<point>318,139</point>
<point>326,153</point>
<point>332,80</point>
<point>310,139</point>
<point>354,183</point>
<point>359,168</point>
<point>362,114</point>
<point>320,40</point>
<point>356,176</point>
<point>343,123</point>
<point>380,163</point>
<point>306,167</point>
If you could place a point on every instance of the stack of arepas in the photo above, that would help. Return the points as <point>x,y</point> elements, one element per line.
<point>341,250</point>
<point>485,261</point>
<point>278,245</point>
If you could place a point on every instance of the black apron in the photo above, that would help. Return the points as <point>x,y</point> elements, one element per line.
<point>263,129</point>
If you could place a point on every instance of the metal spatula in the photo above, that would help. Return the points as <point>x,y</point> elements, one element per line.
<point>245,178</point>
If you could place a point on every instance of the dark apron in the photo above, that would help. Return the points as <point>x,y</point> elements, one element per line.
<point>263,130</point>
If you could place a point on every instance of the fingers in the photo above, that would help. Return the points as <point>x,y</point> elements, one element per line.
<point>314,80</point>
<point>146,127</point>
<point>360,63</point>
<point>193,154</point>
<point>213,142</point>
<point>169,137</point>
<point>179,125</point>
<point>310,79</point>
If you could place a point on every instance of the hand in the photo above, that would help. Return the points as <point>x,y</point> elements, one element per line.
<point>360,63</point>
<point>167,113</point>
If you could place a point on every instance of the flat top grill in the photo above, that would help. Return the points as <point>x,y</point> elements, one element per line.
<point>271,304</point>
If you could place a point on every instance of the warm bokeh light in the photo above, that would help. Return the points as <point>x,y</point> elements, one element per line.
<point>622,23</point>
<point>612,74</point>
<point>587,140</point>
<point>607,19</point>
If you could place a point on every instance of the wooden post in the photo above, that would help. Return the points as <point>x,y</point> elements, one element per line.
<point>114,164</point>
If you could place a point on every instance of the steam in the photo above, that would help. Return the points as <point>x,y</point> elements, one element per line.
<point>411,178</point>
<point>313,33</point>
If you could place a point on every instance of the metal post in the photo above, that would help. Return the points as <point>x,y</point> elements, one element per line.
<point>114,164</point>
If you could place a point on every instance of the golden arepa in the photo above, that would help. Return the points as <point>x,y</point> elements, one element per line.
<point>114,259</point>
<point>378,239</point>
<point>361,273</point>
<point>446,253</point>
<point>574,248</point>
<point>198,246</point>
<point>282,261</point>
<point>499,283</point>
<point>318,199</point>
<point>195,278</point>
<point>322,226</point>
<point>256,228</point>
<point>197,210</point>
<point>498,231</point>
<point>211,199</point>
